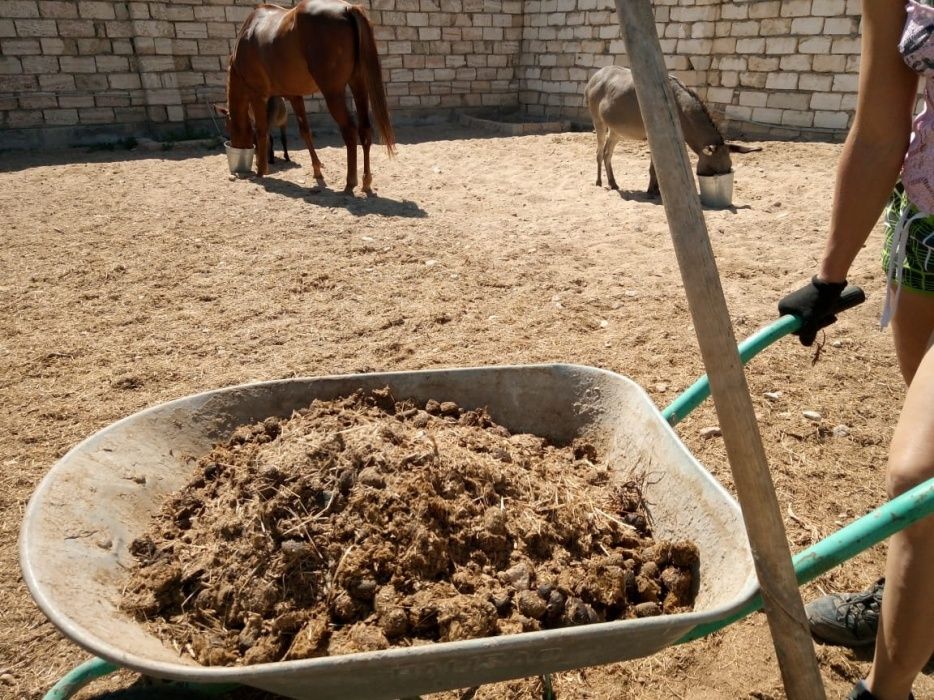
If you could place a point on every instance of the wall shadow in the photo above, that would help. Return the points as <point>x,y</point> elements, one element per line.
<point>325,135</point>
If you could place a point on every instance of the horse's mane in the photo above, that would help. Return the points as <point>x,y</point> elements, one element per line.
<point>700,102</point>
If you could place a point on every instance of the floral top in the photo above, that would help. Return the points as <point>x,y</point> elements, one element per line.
<point>917,48</point>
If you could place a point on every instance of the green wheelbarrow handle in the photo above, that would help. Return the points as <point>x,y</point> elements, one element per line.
<point>843,544</point>
<point>695,394</point>
<point>95,668</point>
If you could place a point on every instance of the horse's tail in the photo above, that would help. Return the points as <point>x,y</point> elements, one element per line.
<point>373,77</point>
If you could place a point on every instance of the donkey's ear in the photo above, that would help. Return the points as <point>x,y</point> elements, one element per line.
<point>221,109</point>
<point>709,150</point>
<point>738,148</point>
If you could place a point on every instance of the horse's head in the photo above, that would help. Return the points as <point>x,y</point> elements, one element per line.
<point>240,131</point>
<point>714,159</point>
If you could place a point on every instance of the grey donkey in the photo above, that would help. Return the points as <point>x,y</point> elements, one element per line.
<point>611,97</point>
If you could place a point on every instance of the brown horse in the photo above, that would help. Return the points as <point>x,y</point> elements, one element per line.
<point>318,45</point>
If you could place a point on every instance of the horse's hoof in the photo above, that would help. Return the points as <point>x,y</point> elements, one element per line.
<point>614,186</point>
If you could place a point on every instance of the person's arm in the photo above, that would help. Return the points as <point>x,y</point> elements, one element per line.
<point>876,145</point>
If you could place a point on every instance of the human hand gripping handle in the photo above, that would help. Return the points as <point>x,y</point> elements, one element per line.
<point>817,305</point>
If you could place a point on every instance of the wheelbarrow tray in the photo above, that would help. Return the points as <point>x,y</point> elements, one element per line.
<point>98,498</point>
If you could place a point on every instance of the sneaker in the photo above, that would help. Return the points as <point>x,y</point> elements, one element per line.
<point>849,619</point>
<point>861,692</point>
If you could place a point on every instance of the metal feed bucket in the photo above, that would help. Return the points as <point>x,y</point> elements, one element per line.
<point>239,160</point>
<point>716,190</point>
<point>101,495</point>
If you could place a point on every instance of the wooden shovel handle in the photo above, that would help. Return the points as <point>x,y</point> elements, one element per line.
<point>748,463</point>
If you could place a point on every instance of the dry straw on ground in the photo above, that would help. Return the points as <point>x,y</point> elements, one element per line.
<point>134,278</point>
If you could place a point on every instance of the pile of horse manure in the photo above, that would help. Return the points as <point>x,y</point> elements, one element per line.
<point>364,523</point>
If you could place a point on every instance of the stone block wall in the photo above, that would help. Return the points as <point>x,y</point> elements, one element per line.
<point>765,67</point>
<point>99,69</point>
<point>119,67</point>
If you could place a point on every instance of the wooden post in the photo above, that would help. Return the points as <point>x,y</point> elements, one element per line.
<point>761,513</point>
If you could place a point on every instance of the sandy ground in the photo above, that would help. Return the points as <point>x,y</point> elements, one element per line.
<point>134,278</point>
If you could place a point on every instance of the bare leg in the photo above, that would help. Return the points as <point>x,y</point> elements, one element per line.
<point>262,134</point>
<point>298,106</point>
<point>337,106</point>
<point>365,130</point>
<point>608,147</point>
<point>905,640</point>
<point>600,128</point>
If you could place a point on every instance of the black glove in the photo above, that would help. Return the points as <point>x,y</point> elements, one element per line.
<point>813,304</point>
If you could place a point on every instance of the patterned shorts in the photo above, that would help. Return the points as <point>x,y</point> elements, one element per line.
<point>918,269</point>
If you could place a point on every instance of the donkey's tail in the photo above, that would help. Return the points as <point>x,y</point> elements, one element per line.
<point>372,74</point>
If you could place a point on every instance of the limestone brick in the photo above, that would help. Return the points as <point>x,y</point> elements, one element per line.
<point>818,45</point>
<point>35,27</point>
<point>20,47</point>
<point>10,65</point>
<point>764,9</point>
<point>776,27</point>
<point>60,117</point>
<point>831,120</point>
<point>752,98</point>
<point>828,101</point>
<point>828,8</point>
<point>57,82</point>
<point>93,9</point>
<point>788,100</point>
<point>20,8</point>
<point>840,25</point>
<point>57,9</point>
<point>795,62</point>
<point>781,45</point>
<point>829,64</point>
<point>796,8</point>
<point>815,82</point>
<point>38,65</point>
<point>845,83</point>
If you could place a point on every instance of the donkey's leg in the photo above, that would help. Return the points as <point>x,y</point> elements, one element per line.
<point>285,147</point>
<point>337,106</point>
<point>365,129</point>
<point>653,190</point>
<point>601,139</point>
<point>262,134</point>
<point>272,152</point>
<point>608,147</point>
<point>298,106</point>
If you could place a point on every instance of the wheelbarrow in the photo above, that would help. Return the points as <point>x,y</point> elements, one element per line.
<point>75,537</point>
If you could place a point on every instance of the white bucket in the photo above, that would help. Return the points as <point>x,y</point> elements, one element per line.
<point>239,160</point>
<point>716,190</point>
